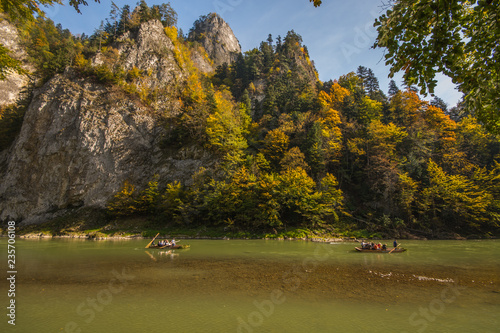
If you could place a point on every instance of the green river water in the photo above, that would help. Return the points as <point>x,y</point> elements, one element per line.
<point>252,286</point>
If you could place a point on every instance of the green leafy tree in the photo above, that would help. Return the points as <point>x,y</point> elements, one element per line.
<point>405,108</point>
<point>173,202</point>
<point>123,23</point>
<point>382,161</point>
<point>454,199</point>
<point>478,145</point>
<point>314,150</point>
<point>144,11</point>
<point>302,204</point>
<point>114,14</point>
<point>9,64</point>
<point>369,110</point>
<point>166,14</point>
<point>50,48</point>
<point>330,121</point>
<point>439,103</point>
<point>407,195</point>
<point>269,206</point>
<point>488,179</point>
<point>147,200</point>
<point>26,10</point>
<point>331,197</point>
<point>457,38</point>
<point>296,196</point>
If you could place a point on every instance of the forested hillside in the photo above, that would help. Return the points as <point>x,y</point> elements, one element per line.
<point>287,150</point>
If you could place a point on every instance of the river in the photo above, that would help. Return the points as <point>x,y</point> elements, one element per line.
<point>252,286</point>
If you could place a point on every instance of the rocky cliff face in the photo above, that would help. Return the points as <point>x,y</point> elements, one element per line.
<point>217,38</point>
<point>80,140</point>
<point>151,52</point>
<point>12,86</point>
<point>148,50</point>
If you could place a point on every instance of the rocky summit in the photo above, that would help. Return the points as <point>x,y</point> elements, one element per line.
<point>217,38</point>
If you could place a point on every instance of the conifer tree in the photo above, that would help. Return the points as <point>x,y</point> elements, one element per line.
<point>393,88</point>
<point>371,83</point>
<point>439,103</point>
<point>123,25</point>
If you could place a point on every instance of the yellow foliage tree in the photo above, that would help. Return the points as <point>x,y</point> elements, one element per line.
<point>329,119</point>
<point>123,203</point>
<point>406,107</point>
<point>226,125</point>
<point>275,145</point>
<point>455,197</point>
<point>441,123</point>
<point>383,139</point>
<point>337,95</point>
<point>407,193</point>
<point>148,198</point>
<point>293,159</point>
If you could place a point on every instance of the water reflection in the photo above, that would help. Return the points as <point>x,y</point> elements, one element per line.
<point>162,254</point>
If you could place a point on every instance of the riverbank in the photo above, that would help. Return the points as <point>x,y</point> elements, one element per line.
<point>203,233</point>
<point>106,233</point>
<point>96,225</point>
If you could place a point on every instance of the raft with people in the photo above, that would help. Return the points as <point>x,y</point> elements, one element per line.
<point>165,244</point>
<point>393,250</point>
<point>379,248</point>
<point>170,247</point>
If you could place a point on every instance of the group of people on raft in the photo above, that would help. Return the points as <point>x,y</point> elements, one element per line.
<point>165,243</point>
<point>373,246</point>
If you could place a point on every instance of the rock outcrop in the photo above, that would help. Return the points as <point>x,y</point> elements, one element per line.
<point>217,37</point>
<point>149,50</point>
<point>152,53</point>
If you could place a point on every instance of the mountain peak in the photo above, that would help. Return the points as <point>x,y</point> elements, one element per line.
<point>217,38</point>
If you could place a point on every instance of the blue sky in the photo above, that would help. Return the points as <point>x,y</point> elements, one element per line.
<point>339,34</point>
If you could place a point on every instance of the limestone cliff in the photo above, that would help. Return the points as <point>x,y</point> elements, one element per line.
<point>81,140</point>
<point>217,38</point>
<point>148,50</point>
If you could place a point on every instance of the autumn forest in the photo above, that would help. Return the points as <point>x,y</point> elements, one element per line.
<point>289,151</point>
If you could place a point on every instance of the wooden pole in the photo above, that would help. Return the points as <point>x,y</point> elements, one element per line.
<point>394,248</point>
<point>147,246</point>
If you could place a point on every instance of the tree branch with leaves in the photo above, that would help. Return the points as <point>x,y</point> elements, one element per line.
<point>457,38</point>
